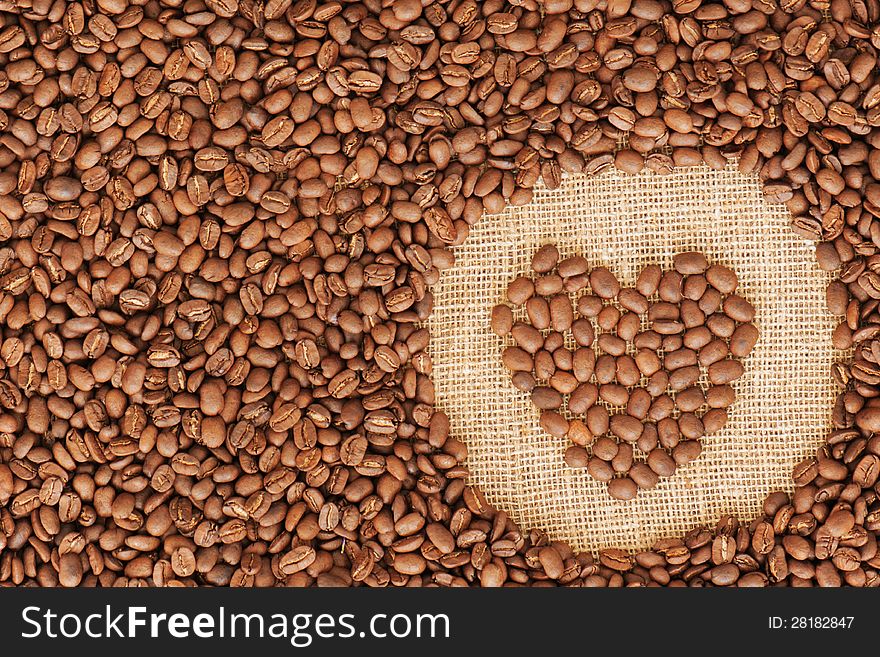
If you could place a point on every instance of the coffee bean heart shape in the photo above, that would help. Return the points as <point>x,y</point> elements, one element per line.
<point>634,377</point>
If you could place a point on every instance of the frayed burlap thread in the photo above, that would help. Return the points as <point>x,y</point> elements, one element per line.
<point>784,399</point>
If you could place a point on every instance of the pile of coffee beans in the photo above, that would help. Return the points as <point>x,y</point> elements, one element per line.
<point>221,220</point>
<point>643,373</point>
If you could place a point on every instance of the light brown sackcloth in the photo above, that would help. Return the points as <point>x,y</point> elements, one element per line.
<point>784,399</point>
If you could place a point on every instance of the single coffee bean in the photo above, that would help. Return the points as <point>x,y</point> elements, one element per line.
<point>691,262</point>
<point>545,259</point>
<point>739,309</point>
<point>743,340</point>
<point>622,488</point>
<point>502,320</point>
<point>576,457</point>
<point>519,291</point>
<point>603,283</point>
<point>722,279</point>
<point>725,371</point>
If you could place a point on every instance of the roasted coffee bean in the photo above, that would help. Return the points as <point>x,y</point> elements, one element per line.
<point>692,262</point>
<point>622,488</point>
<point>603,283</point>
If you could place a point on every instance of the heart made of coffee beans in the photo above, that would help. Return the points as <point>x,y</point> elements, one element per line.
<point>634,377</point>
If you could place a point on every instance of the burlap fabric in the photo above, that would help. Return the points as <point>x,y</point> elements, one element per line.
<point>784,399</point>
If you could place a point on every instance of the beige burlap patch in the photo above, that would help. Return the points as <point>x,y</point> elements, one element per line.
<point>784,399</point>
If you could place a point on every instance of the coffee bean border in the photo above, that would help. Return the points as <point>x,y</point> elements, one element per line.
<point>222,221</point>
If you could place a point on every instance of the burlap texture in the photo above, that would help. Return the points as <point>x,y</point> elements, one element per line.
<point>784,399</point>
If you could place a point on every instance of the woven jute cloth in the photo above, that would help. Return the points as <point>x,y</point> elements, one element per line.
<point>784,399</point>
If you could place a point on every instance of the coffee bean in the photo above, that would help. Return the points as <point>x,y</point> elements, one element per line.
<point>743,340</point>
<point>519,291</point>
<point>70,570</point>
<point>692,262</point>
<point>502,320</point>
<point>648,280</point>
<point>572,267</point>
<point>554,424</point>
<point>643,476</point>
<point>603,283</point>
<point>722,279</point>
<point>545,259</point>
<point>546,398</point>
<point>661,463</point>
<point>626,427</point>
<point>576,457</point>
<point>622,488</point>
<point>561,313</point>
<point>183,562</point>
<point>739,309</point>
